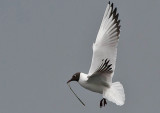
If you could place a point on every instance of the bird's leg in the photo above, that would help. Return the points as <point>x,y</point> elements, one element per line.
<point>103,102</point>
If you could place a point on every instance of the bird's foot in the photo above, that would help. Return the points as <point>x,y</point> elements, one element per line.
<point>103,102</point>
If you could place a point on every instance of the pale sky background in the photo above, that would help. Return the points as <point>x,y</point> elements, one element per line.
<point>44,42</point>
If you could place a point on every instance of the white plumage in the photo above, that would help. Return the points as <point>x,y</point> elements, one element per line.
<point>104,47</point>
<point>99,77</point>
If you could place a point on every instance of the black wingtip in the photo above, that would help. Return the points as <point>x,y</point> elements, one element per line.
<point>111,10</point>
<point>116,17</point>
<point>112,5</point>
<point>118,22</point>
<point>115,11</point>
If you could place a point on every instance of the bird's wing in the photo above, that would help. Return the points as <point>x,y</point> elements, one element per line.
<point>103,73</point>
<point>106,42</point>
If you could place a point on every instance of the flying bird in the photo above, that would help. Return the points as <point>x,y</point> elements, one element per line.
<point>99,77</point>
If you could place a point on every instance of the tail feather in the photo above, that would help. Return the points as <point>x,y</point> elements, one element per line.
<point>115,93</point>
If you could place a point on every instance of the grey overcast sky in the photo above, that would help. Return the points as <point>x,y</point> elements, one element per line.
<point>44,42</point>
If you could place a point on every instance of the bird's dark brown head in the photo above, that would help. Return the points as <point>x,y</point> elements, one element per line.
<point>75,77</point>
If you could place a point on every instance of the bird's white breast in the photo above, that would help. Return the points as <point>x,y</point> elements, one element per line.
<point>90,86</point>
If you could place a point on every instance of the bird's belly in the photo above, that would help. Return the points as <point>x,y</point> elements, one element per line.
<point>93,87</point>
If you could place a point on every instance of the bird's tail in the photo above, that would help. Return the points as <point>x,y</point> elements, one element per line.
<point>115,93</point>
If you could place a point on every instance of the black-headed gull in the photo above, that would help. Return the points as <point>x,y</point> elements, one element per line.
<point>99,78</point>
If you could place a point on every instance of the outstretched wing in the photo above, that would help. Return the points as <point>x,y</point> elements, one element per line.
<point>102,74</point>
<point>105,67</point>
<point>106,42</point>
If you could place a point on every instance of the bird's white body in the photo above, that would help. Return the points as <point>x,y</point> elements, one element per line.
<point>112,91</point>
<point>92,86</point>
